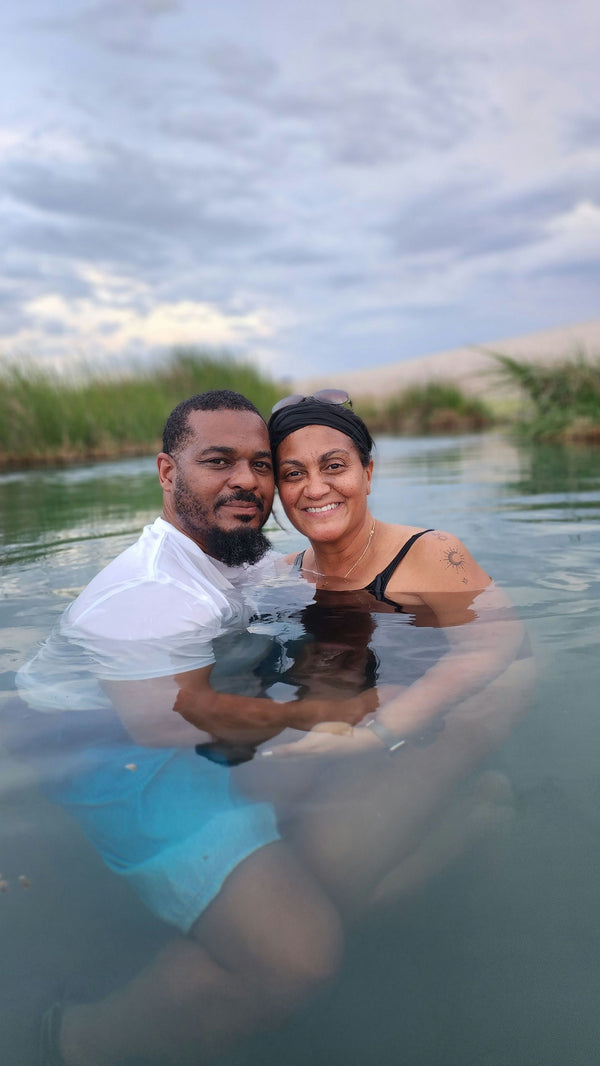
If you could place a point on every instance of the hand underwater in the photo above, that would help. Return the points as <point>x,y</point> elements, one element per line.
<point>328,738</point>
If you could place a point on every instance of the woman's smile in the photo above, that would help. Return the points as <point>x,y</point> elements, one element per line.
<point>323,508</point>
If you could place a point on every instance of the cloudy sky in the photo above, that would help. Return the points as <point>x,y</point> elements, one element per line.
<point>310,184</point>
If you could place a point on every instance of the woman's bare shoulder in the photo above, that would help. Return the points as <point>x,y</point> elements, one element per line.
<point>397,533</point>
<point>394,536</point>
<point>438,560</point>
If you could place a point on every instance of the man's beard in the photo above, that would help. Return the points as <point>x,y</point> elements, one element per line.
<point>231,546</point>
<point>236,546</point>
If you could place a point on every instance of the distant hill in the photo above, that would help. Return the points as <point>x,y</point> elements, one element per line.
<point>470,368</point>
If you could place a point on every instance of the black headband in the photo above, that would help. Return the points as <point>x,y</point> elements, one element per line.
<point>315,413</point>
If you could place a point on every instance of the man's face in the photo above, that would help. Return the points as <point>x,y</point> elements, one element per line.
<point>218,489</point>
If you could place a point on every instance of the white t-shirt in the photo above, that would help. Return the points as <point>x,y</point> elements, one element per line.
<point>152,612</point>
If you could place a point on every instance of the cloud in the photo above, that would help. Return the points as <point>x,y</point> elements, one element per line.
<point>122,210</point>
<point>220,130</point>
<point>240,71</point>
<point>571,239</point>
<point>584,131</point>
<point>123,188</point>
<point>112,24</point>
<point>470,219</point>
<point>119,316</point>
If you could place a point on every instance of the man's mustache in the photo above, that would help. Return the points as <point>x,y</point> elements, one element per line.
<point>241,496</point>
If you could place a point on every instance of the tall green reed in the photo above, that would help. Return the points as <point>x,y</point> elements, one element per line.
<point>563,400</point>
<point>436,407</point>
<point>46,417</point>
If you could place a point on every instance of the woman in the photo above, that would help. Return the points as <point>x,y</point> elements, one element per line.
<point>324,467</point>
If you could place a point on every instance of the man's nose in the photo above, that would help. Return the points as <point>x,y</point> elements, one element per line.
<point>243,475</point>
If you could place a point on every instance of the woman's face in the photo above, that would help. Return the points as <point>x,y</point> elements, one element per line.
<point>322,483</point>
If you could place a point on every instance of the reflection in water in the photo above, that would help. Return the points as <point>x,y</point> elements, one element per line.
<point>42,510</point>
<point>372,830</point>
<point>548,469</point>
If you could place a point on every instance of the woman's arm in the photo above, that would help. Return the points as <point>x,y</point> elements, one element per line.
<point>479,622</point>
<point>482,630</point>
<point>481,647</point>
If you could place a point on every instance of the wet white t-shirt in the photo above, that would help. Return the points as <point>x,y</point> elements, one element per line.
<point>154,611</point>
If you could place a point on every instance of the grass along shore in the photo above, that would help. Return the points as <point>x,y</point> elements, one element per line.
<point>46,419</point>
<point>424,410</point>
<point>561,402</point>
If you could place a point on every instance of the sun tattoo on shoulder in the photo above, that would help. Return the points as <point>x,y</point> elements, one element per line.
<point>455,560</point>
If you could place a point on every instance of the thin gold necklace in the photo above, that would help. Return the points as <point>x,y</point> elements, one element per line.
<point>355,564</point>
<point>362,553</point>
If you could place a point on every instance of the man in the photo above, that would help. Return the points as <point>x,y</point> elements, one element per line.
<point>259,932</point>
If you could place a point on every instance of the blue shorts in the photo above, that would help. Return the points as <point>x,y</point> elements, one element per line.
<point>171,823</point>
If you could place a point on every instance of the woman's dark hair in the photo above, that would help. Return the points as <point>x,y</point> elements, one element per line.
<point>310,412</point>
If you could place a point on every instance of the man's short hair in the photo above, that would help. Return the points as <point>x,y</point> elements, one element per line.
<point>177,427</point>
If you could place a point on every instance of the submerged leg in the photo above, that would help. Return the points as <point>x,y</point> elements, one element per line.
<point>369,814</point>
<point>483,813</point>
<point>267,942</point>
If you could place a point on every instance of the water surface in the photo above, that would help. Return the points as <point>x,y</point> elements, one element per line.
<point>493,963</point>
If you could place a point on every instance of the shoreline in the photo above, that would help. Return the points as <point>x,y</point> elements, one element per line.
<point>73,456</point>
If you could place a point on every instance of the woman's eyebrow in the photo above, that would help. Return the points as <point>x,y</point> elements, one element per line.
<point>321,458</point>
<point>334,451</point>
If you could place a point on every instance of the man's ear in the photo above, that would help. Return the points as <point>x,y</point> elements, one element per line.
<point>166,470</point>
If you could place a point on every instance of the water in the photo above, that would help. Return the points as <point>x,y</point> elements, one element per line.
<point>491,963</point>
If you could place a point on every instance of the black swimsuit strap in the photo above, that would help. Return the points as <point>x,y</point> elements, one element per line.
<point>379,583</point>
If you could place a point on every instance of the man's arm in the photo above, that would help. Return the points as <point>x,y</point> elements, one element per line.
<point>203,714</point>
<point>145,709</point>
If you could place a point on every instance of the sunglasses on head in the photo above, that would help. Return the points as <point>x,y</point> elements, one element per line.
<point>339,396</point>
